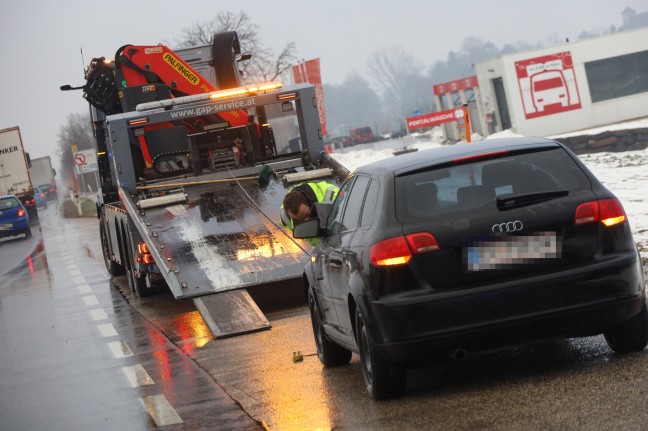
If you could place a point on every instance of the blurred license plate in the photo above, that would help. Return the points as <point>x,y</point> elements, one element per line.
<point>510,251</point>
<point>6,227</point>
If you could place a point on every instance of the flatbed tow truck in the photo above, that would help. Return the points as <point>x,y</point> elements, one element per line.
<point>192,176</point>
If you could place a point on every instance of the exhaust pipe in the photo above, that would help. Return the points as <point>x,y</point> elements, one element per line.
<point>458,354</point>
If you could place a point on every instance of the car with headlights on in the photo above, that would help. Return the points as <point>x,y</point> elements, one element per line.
<point>14,219</point>
<point>468,248</point>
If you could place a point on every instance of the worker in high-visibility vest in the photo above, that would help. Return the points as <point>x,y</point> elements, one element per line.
<point>299,204</point>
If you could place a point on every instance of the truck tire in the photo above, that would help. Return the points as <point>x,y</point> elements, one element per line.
<point>225,48</point>
<point>137,284</point>
<point>112,267</point>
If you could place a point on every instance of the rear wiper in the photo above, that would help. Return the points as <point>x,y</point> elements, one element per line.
<point>512,201</point>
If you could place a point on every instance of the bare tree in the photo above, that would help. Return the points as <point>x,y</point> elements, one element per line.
<point>399,75</point>
<point>77,131</point>
<point>264,65</point>
<point>352,104</point>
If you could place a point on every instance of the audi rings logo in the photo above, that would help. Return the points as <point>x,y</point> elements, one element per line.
<point>509,226</point>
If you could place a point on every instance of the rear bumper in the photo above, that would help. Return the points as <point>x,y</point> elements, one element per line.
<point>579,301</point>
<point>18,228</point>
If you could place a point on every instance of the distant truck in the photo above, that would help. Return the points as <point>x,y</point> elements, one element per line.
<point>42,175</point>
<point>14,170</point>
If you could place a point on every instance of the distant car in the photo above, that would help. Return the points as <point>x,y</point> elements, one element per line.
<point>13,217</point>
<point>453,251</point>
<point>40,198</point>
<point>51,192</point>
<point>361,135</point>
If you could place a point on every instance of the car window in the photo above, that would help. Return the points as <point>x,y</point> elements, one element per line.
<point>478,184</point>
<point>8,203</point>
<point>369,208</point>
<point>334,222</point>
<point>351,217</point>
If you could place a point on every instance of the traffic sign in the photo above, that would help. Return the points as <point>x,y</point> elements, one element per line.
<point>79,159</point>
<point>85,161</point>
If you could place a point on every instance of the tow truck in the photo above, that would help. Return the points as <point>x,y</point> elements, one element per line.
<point>193,168</point>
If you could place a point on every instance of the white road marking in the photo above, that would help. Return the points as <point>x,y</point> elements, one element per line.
<point>98,314</point>
<point>78,280</point>
<point>161,411</point>
<point>71,266</point>
<point>90,300</point>
<point>75,272</point>
<point>137,376</point>
<point>120,349</point>
<point>107,330</point>
<point>84,288</point>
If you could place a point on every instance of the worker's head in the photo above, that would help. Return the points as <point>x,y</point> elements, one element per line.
<point>297,206</point>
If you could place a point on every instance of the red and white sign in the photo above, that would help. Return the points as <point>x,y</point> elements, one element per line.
<point>458,85</point>
<point>85,161</point>
<point>79,159</point>
<point>547,85</point>
<point>309,71</point>
<point>434,118</point>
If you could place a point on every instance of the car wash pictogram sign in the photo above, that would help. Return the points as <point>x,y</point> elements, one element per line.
<point>547,85</point>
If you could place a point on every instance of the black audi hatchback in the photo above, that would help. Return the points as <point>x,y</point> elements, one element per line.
<point>470,248</point>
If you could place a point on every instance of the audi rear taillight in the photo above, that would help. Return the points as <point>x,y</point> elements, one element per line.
<point>422,242</point>
<point>608,211</point>
<point>399,250</point>
<point>393,251</point>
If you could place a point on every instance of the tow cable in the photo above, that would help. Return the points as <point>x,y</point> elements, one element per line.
<point>261,211</point>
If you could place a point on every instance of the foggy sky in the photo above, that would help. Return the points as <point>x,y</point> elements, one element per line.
<point>42,40</point>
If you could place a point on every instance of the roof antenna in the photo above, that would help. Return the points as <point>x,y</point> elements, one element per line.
<point>82,62</point>
<point>68,87</point>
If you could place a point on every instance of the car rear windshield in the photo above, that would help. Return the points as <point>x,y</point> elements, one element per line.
<point>8,203</point>
<point>479,183</point>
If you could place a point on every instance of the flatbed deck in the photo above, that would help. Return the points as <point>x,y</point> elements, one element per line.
<point>218,240</point>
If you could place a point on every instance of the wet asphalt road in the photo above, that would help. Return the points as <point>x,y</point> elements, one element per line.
<point>57,366</point>
<point>75,356</point>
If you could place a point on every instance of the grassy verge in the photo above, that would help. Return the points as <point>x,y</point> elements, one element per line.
<point>88,209</point>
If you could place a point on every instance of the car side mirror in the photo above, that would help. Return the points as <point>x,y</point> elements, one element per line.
<point>308,229</point>
<point>323,210</point>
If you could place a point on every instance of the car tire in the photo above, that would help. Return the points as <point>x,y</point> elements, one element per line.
<point>630,336</point>
<point>382,379</point>
<point>28,233</point>
<point>112,267</point>
<point>329,353</point>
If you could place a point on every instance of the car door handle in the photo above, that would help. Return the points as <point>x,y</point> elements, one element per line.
<point>334,260</point>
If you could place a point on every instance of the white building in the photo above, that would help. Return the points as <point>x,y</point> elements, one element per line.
<point>566,87</point>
